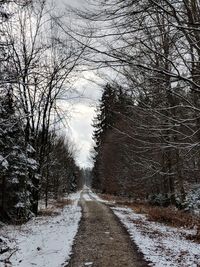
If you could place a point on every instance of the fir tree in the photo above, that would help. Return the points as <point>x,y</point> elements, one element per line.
<point>103,122</point>
<point>15,162</point>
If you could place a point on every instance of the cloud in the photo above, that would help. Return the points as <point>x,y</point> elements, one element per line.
<point>74,3</point>
<point>81,104</point>
<point>81,132</point>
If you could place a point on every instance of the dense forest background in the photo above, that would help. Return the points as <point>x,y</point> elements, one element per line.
<point>148,120</point>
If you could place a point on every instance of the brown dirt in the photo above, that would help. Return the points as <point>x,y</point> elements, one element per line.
<point>102,241</point>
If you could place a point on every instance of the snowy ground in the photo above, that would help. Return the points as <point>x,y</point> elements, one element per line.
<point>43,241</point>
<point>162,245</point>
<point>89,195</point>
<point>47,241</point>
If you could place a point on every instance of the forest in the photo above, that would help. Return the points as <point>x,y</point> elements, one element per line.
<point>36,158</point>
<point>100,133</point>
<point>146,128</point>
<point>147,123</point>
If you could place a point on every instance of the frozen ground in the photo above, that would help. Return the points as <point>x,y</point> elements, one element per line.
<point>102,240</point>
<point>89,195</point>
<point>162,245</point>
<point>47,241</point>
<point>44,241</point>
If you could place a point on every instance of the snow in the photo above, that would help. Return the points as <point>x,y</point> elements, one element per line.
<point>75,197</point>
<point>4,162</point>
<point>43,241</point>
<point>33,163</point>
<point>20,205</point>
<point>161,245</point>
<point>87,194</point>
<point>94,196</point>
<point>30,149</point>
<point>88,264</point>
<point>193,199</point>
<point>15,180</point>
<point>86,197</point>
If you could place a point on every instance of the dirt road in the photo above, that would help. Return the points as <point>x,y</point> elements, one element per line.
<point>102,241</point>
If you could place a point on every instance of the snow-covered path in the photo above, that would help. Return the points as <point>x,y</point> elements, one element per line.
<point>101,239</point>
<point>161,245</point>
<point>44,241</point>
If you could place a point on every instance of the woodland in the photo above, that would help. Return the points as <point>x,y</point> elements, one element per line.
<point>37,65</point>
<point>147,123</point>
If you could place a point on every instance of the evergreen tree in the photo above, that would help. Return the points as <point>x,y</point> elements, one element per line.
<point>15,162</point>
<point>106,116</point>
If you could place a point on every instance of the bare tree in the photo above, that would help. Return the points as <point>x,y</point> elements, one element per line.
<point>154,48</point>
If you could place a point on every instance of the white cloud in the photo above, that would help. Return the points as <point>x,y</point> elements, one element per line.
<point>75,3</point>
<point>81,132</point>
<point>81,109</point>
<point>82,114</point>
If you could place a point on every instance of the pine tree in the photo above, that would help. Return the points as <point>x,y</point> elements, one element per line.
<point>103,122</point>
<point>105,115</point>
<point>15,162</point>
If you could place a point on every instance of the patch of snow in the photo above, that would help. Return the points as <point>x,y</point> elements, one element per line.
<point>15,180</point>
<point>88,263</point>
<point>30,149</point>
<point>162,245</point>
<point>4,163</point>
<point>43,241</point>
<point>107,233</point>
<point>193,199</point>
<point>33,163</point>
<point>96,197</point>
<point>86,197</point>
<point>20,205</point>
<point>75,197</point>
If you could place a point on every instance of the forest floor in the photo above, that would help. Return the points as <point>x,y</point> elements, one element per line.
<point>44,241</point>
<point>115,235</point>
<point>85,230</point>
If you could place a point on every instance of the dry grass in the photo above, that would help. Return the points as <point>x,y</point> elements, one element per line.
<point>108,197</point>
<point>61,203</point>
<point>169,216</point>
<point>48,212</point>
<point>117,199</point>
<point>172,217</point>
<point>55,207</point>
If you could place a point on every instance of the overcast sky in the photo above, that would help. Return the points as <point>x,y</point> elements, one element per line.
<point>83,110</point>
<point>82,114</point>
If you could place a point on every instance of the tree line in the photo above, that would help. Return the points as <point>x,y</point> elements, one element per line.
<point>147,125</point>
<point>37,70</point>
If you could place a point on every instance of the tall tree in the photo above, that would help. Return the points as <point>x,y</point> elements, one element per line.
<point>16,163</point>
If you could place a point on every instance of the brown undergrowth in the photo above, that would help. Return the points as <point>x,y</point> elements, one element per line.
<point>175,218</point>
<point>61,203</point>
<point>170,216</point>
<point>54,207</point>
